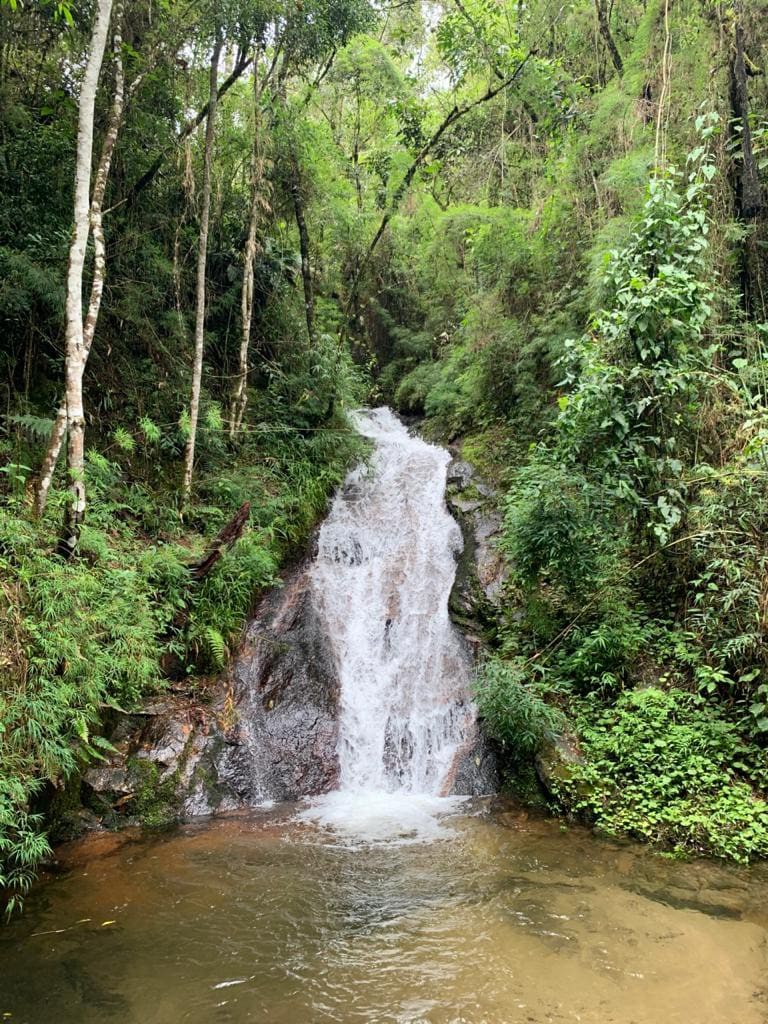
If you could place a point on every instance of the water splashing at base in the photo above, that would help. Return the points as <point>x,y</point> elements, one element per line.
<point>381,581</point>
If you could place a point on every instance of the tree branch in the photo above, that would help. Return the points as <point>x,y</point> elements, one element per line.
<point>241,64</point>
<point>451,118</point>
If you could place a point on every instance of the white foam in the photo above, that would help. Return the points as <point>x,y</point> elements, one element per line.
<point>373,817</point>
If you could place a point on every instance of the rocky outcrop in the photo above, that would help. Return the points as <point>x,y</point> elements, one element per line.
<point>555,763</point>
<point>476,599</point>
<point>269,735</point>
<point>480,574</point>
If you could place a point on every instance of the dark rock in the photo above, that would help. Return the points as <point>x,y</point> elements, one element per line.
<point>460,475</point>
<point>475,600</point>
<point>478,772</point>
<point>480,572</point>
<point>285,690</point>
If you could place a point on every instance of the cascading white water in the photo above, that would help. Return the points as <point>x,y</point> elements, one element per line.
<point>381,580</point>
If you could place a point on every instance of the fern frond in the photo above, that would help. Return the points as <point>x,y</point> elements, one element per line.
<point>123,439</point>
<point>37,428</point>
<point>216,646</point>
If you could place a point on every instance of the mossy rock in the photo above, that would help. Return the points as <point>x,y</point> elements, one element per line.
<point>156,801</point>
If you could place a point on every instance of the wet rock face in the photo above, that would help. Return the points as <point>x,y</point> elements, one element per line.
<point>480,573</point>
<point>475,600</point>
<point>270,735</point>
<point>284,690</point>
<point>478,771</point>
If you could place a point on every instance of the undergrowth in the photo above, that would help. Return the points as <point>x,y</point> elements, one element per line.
<point>102,630</point>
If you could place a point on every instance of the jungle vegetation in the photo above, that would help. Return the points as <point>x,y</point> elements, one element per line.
<point>541,227</point>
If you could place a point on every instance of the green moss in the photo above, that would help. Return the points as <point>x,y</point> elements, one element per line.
<point>156,802</point>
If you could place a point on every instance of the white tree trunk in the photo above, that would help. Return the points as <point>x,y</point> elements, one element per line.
<point>258,202</point>
<point>75,351</point>
<point>202,254</point>
<point>58,432</point>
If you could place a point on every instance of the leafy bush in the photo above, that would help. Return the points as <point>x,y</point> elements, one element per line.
<point>551,527</point>
<point>514,710</point>
<point>665,767</point>
<point>74,636</point>
<point>411,393</point>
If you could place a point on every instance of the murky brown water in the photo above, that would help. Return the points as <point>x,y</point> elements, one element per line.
<point>508,920</point>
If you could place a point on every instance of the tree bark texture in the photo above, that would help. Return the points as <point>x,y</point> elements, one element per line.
<point>75,352</point>
<point>59,429</point>
<point>258,204</point>
<point>605,31</point>
<point>202,258</point>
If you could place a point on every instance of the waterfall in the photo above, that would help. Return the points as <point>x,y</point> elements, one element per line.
<point>380,581</point>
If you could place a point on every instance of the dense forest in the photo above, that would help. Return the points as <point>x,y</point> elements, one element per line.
<point>542,228</point>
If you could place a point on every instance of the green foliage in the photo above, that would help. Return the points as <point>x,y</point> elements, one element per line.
<point>83,635</point>
<point>551,523</point>
<point>638,376</point>
<point>514,710</point>
<point>413,389</point>
<point>663,766</point>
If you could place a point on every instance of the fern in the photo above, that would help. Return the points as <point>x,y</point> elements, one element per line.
<point>36,428</point>
<point>150,430</point>
<point>213,418</point>
<point>185,424</point>
<point>216,646</point>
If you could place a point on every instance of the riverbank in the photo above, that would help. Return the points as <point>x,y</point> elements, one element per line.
<point>589,722</point>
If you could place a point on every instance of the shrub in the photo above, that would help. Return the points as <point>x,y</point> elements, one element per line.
<point>514,711</point>
<point>552,527</point>
<point>663,766</point>
<point>411,393</point>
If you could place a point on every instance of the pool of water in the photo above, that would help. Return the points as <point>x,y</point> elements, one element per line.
<point>492,918</point>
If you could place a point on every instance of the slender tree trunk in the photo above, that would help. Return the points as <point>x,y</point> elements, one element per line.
<point>301,224</point>
<point>747,187</point>
<point>59,430</point>
<point>75,341</point>
<point>750,197</point>
<point>605,31</point>
<point>356,153</point>
<point>202,255</point>
<point>258,202</point>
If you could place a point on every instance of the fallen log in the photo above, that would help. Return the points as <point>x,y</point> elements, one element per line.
<point>223,541</point>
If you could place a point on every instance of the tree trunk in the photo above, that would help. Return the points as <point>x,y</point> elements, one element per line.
<point>301,224</point>
<point>258,202</point>
<point>746,181</point>
<point>750,192</point>
<point>58,432</point>
<point>202,254</point>
<point>75,351</point>
<point>605,31</point>
<point>356,152</point>
<point>224,540</point>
